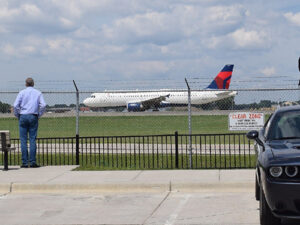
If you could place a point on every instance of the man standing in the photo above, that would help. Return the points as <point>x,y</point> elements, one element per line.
<point>29,106</point>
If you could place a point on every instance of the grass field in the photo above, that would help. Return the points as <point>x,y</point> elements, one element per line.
<point>118,125</point>
<point>141,161</point>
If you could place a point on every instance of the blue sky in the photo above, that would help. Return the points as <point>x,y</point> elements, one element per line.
<point>117,44</point>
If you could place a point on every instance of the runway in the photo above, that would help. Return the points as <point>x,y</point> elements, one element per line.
<point>72,113</point>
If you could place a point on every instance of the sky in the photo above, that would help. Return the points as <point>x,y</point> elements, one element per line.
<point>129,44</point>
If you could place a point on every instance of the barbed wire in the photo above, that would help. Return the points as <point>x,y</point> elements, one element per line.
<point>150,83</point>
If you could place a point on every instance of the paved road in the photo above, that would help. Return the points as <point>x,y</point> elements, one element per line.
<point>147,113</point>
<point>169,208</point>
<point>163,208</point>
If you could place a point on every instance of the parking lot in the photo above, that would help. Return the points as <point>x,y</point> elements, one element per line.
<point>60,196</point>
<point>210,208</point>
<point>159,208</point>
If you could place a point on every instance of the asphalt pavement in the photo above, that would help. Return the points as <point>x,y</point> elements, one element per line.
<point>57,195</point>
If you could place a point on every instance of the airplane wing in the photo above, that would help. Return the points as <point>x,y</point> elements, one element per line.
<point>154,102</point>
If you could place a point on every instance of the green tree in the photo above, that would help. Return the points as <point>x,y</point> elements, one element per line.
<point>5,108</point>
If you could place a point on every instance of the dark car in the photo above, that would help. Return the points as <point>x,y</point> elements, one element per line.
<point>278,166</point>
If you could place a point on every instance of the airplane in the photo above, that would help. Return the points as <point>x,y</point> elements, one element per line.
<point>144,100</point>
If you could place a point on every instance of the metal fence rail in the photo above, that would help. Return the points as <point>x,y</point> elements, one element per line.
<point>209,151</point>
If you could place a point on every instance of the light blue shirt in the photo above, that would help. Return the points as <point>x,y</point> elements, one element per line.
<point>29,101</point>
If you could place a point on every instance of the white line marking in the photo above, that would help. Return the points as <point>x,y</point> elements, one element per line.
<point>174,215</point>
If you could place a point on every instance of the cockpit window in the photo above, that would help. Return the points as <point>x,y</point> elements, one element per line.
<point>285,125</point>
<point>93,96</point>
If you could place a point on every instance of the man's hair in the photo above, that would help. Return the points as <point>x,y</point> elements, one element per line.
<point>29,82</point>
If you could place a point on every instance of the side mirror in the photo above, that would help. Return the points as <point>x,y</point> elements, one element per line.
<point>253,135</point>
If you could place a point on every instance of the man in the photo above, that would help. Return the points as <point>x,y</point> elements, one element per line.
<point>28,108</point>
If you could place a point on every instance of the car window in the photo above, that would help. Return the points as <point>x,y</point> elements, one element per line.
<point>267,125</point>
<point>284,125</point>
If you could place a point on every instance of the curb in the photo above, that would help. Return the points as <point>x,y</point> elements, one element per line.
<point>213,187</point>
<point>127,188</point>
<point>5,188</point>
<point>88,188</point>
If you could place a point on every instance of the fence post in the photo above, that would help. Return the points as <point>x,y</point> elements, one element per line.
<point>176,150</point>
<point>3,143</point>
<point>190,122</point>
<point>77,124</point>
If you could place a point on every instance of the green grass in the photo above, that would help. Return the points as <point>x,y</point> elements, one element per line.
<point>160,161</point>
<point>141,162</point>
<point>122,125</point>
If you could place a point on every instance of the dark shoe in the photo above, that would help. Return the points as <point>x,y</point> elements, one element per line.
<point>35,166</point>
<point>24,166</point>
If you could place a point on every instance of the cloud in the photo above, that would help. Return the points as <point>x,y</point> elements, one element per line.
<point>132,38</point>
<point>79,8</point>
<point>224,15</point>
<point>249,38</point>
<point>293,18</point>
<point>153,27</point>
<point>173,25</point>
<point>8,49</point>
<point>25,10</point>
<point>66,22</point>
<point>31,18</point>
<point>17,51</point>
<point>84,32</point>
<point>6,13</point>
<point>60,44</point>
<point>31,10</point>
<point>268,71</point>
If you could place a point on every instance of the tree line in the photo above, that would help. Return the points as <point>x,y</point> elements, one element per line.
<point>224,104</point>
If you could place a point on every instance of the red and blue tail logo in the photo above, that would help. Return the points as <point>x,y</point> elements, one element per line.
<point>222,80</point>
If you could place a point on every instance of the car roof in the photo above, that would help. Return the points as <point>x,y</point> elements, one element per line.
<point>288,108</point>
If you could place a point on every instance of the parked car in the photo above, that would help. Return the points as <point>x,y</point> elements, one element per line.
<point>277,183</point>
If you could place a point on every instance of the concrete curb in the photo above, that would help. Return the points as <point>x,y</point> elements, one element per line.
<point>88,188</point>
<point>129,188</point>
<point>213,187</point>
<point>5,188</point>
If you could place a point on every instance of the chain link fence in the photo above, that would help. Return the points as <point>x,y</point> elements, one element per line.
<point>124,136</point>
<point>60,117</point>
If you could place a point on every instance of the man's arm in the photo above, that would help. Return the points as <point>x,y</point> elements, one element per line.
<point>17,104</point>
<point>42,106</point>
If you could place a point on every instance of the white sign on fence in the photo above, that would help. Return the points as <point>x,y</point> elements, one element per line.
<point>245,121</point>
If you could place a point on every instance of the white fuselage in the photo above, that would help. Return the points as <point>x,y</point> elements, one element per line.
<point>118,99</point>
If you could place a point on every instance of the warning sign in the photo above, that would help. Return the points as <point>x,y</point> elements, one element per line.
<point>245,121</point>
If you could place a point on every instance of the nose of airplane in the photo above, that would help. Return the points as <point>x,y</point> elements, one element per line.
<point>86,101</point>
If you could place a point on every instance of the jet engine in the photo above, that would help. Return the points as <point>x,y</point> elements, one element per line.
<point>135,107</point>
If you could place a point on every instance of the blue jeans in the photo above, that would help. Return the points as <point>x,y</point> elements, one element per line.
<point>28,124</point>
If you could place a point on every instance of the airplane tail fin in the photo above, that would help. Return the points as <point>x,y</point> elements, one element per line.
<point>222,80</point>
